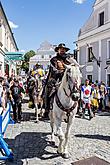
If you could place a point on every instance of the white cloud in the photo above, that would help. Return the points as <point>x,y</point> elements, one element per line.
<point>12,25</point>
<point>78,1</point>
<point>23,51</point>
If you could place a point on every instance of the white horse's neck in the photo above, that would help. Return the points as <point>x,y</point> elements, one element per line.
<point>65,100</point>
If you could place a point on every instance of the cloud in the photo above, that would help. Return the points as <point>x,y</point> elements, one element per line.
<point>78,1</point>
<point>23,51</point>
<point>12,25</point>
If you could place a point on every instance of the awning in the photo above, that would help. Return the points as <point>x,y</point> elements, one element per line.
<point>16,56</point>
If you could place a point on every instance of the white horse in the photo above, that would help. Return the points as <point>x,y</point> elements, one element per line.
<point>65,102</point>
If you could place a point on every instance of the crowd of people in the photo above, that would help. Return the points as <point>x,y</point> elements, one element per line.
<point>95,95</point>
<point>13,89</point>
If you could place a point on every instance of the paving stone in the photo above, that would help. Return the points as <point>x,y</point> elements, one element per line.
<point>30,141</point>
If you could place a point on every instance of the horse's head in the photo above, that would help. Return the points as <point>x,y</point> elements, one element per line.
<point>73,78</point>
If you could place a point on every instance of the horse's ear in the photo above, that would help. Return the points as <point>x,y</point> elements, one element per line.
<point>81,66</point>
<point>72,61</point>
<point>67,66</point>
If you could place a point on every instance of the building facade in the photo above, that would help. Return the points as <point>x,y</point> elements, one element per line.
<point>7,44</point>
<point>94,43</point>
<point>43,55</point>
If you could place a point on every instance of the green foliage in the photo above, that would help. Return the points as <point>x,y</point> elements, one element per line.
<point>27,56</point>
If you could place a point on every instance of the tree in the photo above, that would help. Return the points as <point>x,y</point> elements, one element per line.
<point>27,56</point>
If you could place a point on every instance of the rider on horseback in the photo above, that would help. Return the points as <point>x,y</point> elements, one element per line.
<point>55,75</point>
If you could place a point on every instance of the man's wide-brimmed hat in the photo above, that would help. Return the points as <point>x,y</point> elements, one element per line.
<point>62,45</point>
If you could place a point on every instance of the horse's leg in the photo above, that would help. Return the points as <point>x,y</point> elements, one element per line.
<point>36,109</point>
<point>58,121</point>
<point>41,108</point>
<point>52,124</point>
<point>67,134</point>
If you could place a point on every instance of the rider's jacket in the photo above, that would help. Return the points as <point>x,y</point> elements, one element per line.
<point>86,93</point>
<point>56,72</point>
<point>57,66</point>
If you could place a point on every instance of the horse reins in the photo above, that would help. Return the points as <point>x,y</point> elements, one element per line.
<point>59,104</point>
<point>73,90</point>
<point>67,110</point>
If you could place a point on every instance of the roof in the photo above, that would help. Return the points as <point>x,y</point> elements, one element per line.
<point>97,2</point>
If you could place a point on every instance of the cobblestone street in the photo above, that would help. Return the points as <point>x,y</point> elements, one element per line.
<point>30,141</point>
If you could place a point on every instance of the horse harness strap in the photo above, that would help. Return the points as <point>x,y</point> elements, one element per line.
<point>68,110</point>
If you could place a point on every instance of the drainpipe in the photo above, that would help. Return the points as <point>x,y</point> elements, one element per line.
<point>99,67</point>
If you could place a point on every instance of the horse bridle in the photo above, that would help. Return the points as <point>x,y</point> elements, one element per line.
<point>75,89</point>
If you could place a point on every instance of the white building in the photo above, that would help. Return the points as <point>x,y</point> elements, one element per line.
<point>7,44</point>
<point>96,34</point>
<point>43,55</point>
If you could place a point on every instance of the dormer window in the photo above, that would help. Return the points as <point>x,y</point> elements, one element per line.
<point>101,18</point>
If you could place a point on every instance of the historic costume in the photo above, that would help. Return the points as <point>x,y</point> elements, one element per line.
<point>95,98</point>
<point>55,75</point>
<point>86,95</point>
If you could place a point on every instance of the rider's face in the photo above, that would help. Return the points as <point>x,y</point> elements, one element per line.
<point>61,50</point>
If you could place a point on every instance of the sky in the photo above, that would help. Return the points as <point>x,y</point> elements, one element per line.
<point>55,21</point>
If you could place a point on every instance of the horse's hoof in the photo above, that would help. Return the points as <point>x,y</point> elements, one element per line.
<point>65,156</point>
<point>59,153</point>
<point>65,120</point>
<point>37,121</point>
<point>56,134</point>
<point>52,143</point>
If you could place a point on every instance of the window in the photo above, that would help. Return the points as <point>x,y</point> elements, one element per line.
<point>42,56</point>
<point>90,56</point>
<point>75,55</point>
<point>108,80</point>
<point>50,56</point>
<point>89,77</point>
<point>108,55</point>
<point>101,19</point>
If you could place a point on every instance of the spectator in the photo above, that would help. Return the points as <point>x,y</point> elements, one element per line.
<point>86,93</point>
<point>16,92</point>
<point>95,98</point>
<point>103,93</point>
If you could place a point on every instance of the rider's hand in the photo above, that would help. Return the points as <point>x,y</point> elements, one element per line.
<point>60,65</point>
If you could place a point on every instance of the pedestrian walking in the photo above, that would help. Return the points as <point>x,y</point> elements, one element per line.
<point>16,93</point>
